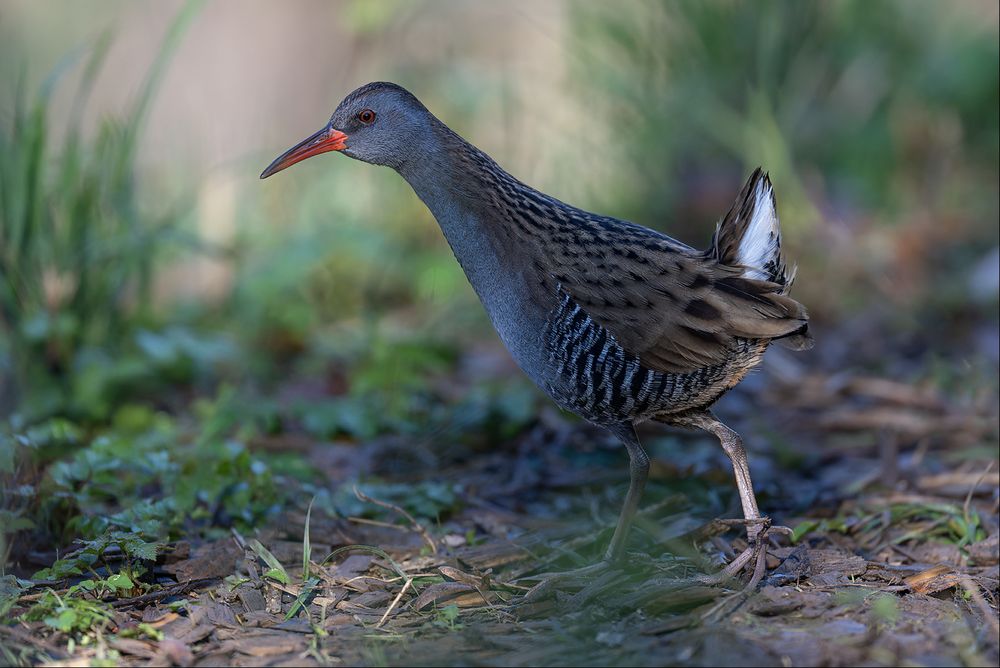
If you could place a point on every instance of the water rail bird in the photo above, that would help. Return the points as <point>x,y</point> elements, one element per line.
<point>616,322</point>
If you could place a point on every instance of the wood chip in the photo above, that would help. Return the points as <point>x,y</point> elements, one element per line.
<point>250,597</point>
<point>986,552</point>
<point>134,647</point>
<point>171,652</point>
<point>480,581</point>
<point>350,568</point>
<point>934,579</point>
<point>211,560</point>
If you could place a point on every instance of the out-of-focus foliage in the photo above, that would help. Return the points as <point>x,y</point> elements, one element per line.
<point>877,121</point>
<point>874,100</point>
<point>78,247</point>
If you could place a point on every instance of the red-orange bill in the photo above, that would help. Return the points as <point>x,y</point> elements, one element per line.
<point>323,141</point>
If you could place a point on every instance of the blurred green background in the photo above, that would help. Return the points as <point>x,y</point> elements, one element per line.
<point>137,243</point>
<point>144,268</point>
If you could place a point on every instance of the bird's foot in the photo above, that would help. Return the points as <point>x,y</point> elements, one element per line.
<point>758,531</point>
<point>582,580</point>
<point>755,525</point>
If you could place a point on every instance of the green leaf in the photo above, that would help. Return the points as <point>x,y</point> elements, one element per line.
<point>63,568</point>
<point>277,571</point>
<point>886,608</point>
<point>12,522</point>
<point>120,582</point>
<point>139,548</point>
<point>142,629</point>
<point>10,590</point>
<point>277,574</point>
<point>64,622</point>
<point>802,529</point>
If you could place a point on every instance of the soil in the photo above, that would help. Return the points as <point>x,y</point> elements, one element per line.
<point>874,475</point>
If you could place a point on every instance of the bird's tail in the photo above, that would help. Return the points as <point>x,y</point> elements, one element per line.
<point>749,238</point>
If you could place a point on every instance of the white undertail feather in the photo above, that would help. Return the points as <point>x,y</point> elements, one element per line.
<point>749,238</point>
<point>760,248</point>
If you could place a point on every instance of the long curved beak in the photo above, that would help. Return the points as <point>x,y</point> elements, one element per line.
<point>323,141</point>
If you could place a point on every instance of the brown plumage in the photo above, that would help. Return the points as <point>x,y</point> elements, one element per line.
<point>617,322</point>
<point>679,310</point>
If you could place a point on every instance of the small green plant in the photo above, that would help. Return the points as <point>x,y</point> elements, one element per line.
<point>72,613</point>
<point>835,524</point>
<point>447,617</point>
<point>11,588</point>
<point>885,609</point>
<point>275,570</point>
<point>142,630</point>
<point>309,581</point>
<point>134,549</point>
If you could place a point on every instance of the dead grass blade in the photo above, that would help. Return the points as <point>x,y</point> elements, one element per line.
<point>394,603</point>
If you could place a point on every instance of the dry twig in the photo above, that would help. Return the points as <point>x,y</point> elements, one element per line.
<point>395,601</point>
<point>414,524</point>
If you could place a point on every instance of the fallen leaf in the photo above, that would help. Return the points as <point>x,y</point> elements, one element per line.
<point>439,592</point>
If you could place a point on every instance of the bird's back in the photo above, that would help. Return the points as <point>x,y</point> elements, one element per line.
<point>640,325</point>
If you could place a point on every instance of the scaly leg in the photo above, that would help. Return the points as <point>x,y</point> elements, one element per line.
<point>638,468</point>
<point>757,526</point>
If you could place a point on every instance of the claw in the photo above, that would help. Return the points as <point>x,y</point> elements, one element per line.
<point>758,531</point>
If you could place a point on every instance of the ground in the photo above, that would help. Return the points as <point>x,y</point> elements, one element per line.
<point>891,489</point>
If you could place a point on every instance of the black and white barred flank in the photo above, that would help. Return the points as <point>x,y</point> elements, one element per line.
<point>606,384</point>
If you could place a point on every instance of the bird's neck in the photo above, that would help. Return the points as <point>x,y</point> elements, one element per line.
<point>468,193</point>
<point>461,186</point>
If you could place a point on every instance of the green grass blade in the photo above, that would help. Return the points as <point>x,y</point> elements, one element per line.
<point>306,546</point>
<point>277,571</point>
<point>308,587</point>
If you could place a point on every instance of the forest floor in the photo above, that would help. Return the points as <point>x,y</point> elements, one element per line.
<point>891,489</point>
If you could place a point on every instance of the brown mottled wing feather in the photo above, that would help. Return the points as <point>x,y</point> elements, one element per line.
<point>677,309</point>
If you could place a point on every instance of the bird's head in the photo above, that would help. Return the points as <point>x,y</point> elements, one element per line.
<point>380,123</point>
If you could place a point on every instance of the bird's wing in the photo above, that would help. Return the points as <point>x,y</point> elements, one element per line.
<point>680,313</point>
<point>677,309</point>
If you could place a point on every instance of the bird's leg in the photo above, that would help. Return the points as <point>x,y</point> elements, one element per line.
<point>638,473</point>
<point>757,526</point>
<point>733,445</point>
<point>638,468</point>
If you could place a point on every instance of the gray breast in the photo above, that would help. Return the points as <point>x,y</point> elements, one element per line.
<point>501,287</point>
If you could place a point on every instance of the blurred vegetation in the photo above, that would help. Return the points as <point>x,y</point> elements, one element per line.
<point>78,248</point>
<point>878,123</point>
<point>130,421</point>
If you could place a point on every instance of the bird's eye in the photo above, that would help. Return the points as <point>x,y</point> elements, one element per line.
<point>366,116</point>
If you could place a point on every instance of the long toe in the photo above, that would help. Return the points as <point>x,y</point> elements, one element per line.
<point>579,579</point>
<point>759,530</point>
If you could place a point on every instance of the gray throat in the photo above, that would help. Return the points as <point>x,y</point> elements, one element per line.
<point>473,231</point>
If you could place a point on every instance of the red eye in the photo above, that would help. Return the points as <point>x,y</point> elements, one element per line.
<point>366,116</point>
